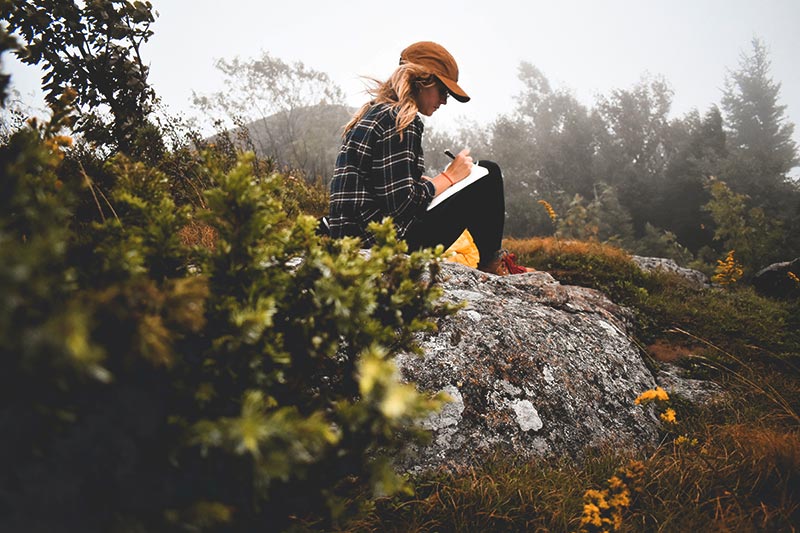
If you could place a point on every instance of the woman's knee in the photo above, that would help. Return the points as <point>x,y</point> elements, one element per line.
<point>492,167</point>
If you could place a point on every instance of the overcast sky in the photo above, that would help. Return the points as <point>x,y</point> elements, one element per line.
<point>587,46</point>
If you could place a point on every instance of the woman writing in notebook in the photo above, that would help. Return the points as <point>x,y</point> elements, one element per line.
<point>379,169</point>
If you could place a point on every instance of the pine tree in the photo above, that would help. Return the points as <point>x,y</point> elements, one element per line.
<point>758,133</point>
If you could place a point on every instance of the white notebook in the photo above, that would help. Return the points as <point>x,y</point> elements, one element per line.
<point>477,173</point>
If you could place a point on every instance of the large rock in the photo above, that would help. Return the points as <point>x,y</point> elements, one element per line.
<point>776,281</point>
<point>668,265</point>
<point>533,367</point>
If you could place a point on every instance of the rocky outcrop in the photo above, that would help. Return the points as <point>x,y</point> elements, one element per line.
<point>779,280</point>
<point>668,265</point>
<point>533,367</point>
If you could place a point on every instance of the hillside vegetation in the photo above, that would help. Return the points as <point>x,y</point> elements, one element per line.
<point>180,350</point>
<point>730,465</point>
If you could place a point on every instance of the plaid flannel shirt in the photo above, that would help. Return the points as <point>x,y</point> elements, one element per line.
<point>378,175</point>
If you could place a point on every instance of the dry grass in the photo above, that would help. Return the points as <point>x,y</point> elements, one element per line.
<point>734,477</point>
<point>499,496</point>
<point>550,246</point>
<point>669,352</point>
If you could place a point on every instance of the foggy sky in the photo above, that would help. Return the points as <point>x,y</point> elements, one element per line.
<point>588,47</point>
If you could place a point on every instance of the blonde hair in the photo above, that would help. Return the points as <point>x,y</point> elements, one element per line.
<point>400,91</point>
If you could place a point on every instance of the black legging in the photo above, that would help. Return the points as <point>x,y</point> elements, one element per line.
<point>480,208</point>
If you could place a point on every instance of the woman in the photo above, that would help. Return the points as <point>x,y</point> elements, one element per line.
<point>379,169</point>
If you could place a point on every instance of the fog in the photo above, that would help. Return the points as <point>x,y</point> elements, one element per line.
<point>587,47</point>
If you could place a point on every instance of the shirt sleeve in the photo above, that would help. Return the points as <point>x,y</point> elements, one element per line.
<point>400,189</point>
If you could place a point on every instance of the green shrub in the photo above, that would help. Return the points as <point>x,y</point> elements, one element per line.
<point>151,385</point>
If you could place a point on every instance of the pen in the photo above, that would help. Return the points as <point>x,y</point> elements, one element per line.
<point>449,154</point>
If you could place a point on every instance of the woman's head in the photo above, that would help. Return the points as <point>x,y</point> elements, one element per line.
<point>411,88</point>
<point>426,76</point>
<point>436,60</point>
<point>429,94</point>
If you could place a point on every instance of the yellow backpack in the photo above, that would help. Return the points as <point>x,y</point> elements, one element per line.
<point>464,251</point>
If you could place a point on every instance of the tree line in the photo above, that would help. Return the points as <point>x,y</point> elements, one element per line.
<point>691,188</point>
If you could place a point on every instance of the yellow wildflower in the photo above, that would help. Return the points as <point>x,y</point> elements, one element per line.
<point>657,394</point>
<point>593,510</point>
<point>793,277</point>
<point>728,271</point>
<point>632,475</point>
<point>602,509</point>
<point>668,416</point>
<point>616,483</point>
<point>550,211</point>
<point>621,499</point>
<point>591,515</point>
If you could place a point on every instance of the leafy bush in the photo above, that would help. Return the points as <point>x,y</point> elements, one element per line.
<point>152,385</point>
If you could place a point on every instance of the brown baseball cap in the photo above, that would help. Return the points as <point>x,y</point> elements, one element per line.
<point>439,62</point>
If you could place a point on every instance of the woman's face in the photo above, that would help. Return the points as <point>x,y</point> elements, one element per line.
<point>430,98</point>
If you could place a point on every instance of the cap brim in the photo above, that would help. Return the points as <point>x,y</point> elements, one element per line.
<point>454,89</point>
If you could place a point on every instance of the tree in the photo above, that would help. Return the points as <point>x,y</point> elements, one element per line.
<point>513,150</point>
<point>579,222</point>
<point>7,42</point>
<point>661,243</point>
<point>291,112</point>
<point>748,231</point>
<point>613,220</point>
<point>92,47</point>
<point>759,136</point>
<point>634,145</point>
<point>469,134</point>
<point>762,150</point>
<point>700,152</point>
<point>560,130</point>
<point>546,149</point>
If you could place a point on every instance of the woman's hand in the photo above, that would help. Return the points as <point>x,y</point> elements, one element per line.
<point>456,171</point>
<point>460,167</point>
